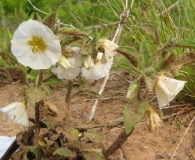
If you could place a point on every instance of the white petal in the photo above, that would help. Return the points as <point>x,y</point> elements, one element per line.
<point>76,60</point>
<point>166,89</point>
<point>162,97</point>
<point>20,47</point>
<point>174,86</point>
<point>76,50</point>
<point>69,73</point>
<point>9,107</point>
<point>99,56</point>
<point>17,112</point>
<point>98,71</point>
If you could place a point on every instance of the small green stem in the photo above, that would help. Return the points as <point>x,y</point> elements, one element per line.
<point>39,78</point>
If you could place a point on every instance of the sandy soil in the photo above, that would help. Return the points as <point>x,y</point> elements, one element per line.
<point>141,145</point>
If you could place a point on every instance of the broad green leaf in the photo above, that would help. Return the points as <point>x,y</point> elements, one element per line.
<point>130,120</point>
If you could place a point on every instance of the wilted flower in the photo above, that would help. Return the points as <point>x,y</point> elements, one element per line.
<point>153,119</point>
<point>99,70</point>
<point>166,89</point>
<point>17,112</point>
<point>35,45</point>
<point>69,68</point>
<point>108,47</point>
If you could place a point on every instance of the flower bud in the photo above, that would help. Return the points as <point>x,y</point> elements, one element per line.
<point>133,90</point>
<point>64,62</point>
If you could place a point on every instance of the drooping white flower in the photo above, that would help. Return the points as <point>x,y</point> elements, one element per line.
<point>17,112</point>
<point>108,47</point>
<point>35,45</point>
<point>99,70</point>
<point>69,68</point>
<point>166,89</point>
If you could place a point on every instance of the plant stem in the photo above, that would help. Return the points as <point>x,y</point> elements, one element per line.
<point>117,143</point>
<point>39,78</point>
<point>37,122</point>
<point>69,90</point>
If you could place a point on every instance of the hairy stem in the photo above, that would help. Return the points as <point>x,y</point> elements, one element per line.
<point>117,143</point>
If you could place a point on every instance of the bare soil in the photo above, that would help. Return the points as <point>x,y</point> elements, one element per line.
<point>141,145</point>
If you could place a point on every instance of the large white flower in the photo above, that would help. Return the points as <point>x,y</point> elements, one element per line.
<point>166,89</point>
<point>35,45</point>
<point>17,112</point>
<point>108,48</point>
<point>69,68</point>
<point>99,70</point>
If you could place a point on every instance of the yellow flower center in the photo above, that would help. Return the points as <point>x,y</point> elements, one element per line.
<point>37,44</point>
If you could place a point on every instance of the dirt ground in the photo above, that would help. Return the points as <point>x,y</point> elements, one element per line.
<point>141,145</point>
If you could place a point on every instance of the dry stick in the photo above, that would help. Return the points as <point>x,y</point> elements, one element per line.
<point>116,37</point>
<point>182,138</point>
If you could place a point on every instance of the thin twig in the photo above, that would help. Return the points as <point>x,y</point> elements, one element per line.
<point>58,20</point>
<point>115,39</point>
<point>182,138</point>
<point>101,26</point>
<point>173,6</point>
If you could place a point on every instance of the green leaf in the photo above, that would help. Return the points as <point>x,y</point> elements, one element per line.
<point>75,132</point>
<point>36,150</point>
<point>64,152</point>
<point>2,62</point>
<point>131,119</point>
<point>186,43</point>
<point>94,135</point>
<point>127,121</point>
<point>93,155</point>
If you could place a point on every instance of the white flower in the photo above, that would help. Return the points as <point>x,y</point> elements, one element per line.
<point>108,48</point>
<point>69,68</point>
<point>166,89</point>
<point>99,70</point>
<point>35,45</point>
<point>17,112</point>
